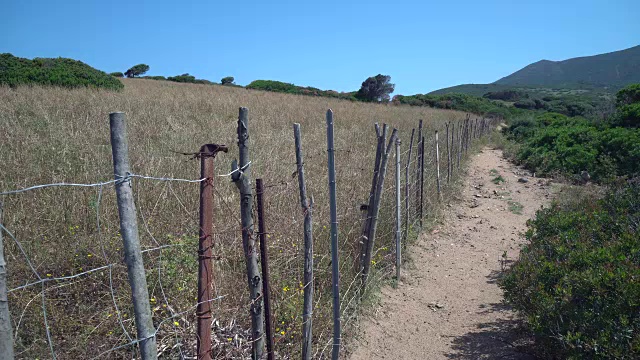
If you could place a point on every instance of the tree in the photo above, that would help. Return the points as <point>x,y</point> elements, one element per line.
<point>376,88</point>
<point>117,74</point>
<point>227,80</point>
<point>137,70</point>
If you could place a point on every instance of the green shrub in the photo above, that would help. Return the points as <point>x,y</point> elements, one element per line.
<point>554,143</point>
<point>156,77</point>
<point>278,86</point>
<point>117,74</point>
<point>577,281</point>
<point>62,72</point>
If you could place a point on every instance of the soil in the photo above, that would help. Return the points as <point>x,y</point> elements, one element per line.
<point>448,304</point>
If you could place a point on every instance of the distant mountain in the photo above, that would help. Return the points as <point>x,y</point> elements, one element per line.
<point>616,69</point>
<point>604,72</point>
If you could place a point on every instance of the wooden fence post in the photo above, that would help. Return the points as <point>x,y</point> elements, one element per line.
<point>421,182</point>
<point>419,173</point>
<point>264,262</point>
<point>6,332</point>
<point>242,180</point>
<point>307,307</point>
<point>438,167</point>
<point>335,264</point>
<point>364,243</point>
<point>448,157</point>
<point>407,188</point>
<point>129,230</point>
<point>374,220</point>
<point>398,206</point>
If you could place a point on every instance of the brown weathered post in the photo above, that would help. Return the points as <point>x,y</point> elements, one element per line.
<point>421,181</point>
<point>419,173</point>
<point>407,187</point>
<point>205,267</point>
<point>438,167</point>
<point>448,157</point>
<point>241,178</point>
<point>264,261</point>
<point>364,243</point>
<point>307,208</point>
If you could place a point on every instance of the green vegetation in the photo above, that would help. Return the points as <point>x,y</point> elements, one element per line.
<point>278,86</point>
<point>186,78</point>
<point>462,102</point>
<point>554,143</point>
<point>229,80</point>
<point>62,72</point>
<point>376,89</point>
<point>117,74</point>
<point>154,77</point>
<point>576,281</point>
<point>137,70</point>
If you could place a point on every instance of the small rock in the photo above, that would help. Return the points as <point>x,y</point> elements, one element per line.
<point>523,180</point>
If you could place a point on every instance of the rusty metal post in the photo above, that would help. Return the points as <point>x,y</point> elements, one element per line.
<point>205,267</point>
<point>264,261</point>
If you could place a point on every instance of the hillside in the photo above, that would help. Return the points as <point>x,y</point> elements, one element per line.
<point>615,69</point>
<point>595,75</point>
<point>52,135</point>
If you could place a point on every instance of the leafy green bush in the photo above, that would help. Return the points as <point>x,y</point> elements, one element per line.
<point>156,77</point>
<point>186,78</point>
<point>554,143</point>
<point>117,74</point>
<point>278,86</point>
<point>460,102</point>
<point>62,72</point>
<point>137,70</point>
<point>577,280</point>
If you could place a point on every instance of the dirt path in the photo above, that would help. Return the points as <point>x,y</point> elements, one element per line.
<point>448,305</point>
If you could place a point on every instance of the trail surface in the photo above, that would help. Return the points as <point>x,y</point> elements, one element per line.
<point>448,305</point>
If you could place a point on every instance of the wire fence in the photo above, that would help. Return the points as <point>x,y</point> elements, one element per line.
<point>67,284</point>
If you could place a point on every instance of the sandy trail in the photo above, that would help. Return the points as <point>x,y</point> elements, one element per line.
<point>448,305</point>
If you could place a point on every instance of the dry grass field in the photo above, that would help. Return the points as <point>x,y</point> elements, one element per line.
<point>50,135</point>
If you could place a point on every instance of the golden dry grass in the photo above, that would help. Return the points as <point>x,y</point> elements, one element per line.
<point>52,135</point>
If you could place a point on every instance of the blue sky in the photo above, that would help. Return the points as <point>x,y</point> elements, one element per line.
<point>423,45</point>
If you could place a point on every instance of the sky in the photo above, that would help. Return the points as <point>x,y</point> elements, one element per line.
<point>330,44</point>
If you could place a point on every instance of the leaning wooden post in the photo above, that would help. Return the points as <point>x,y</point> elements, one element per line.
<point>419,173</point>
<point>438,167</point>
<point>264,261</point>
<point>398,207</point>
<point>421,182</point>
<point>335,265</point>
<point>6,332</point>
<point>129,230</point>
<point>448,157</point>
<point>205,266</point>
<point>242,180</point>
<point>364,242</point>
<point>376,211</point>
<point>452,158</point>
<point>307,307</point>
<point>407,188</point>
<point>460,132</point>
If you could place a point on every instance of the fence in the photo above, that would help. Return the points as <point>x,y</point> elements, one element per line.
<point>74,300</point>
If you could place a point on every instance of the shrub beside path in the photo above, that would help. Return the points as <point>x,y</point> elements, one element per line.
<point>448,304</point>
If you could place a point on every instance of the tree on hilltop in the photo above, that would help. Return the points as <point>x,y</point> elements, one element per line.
<point>227,80</point>
<point>376,88</point>
<point>137,70</point>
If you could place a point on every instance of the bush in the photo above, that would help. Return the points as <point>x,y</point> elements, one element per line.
<point>62,72</point>
<point>117,74</point>
<point>227,80</point>
<point>137,70</point>
<point>186,78</point>
<point>278,86</point>
<point>576,281</point>
<point>554,143</point>
<point>155,77</point>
